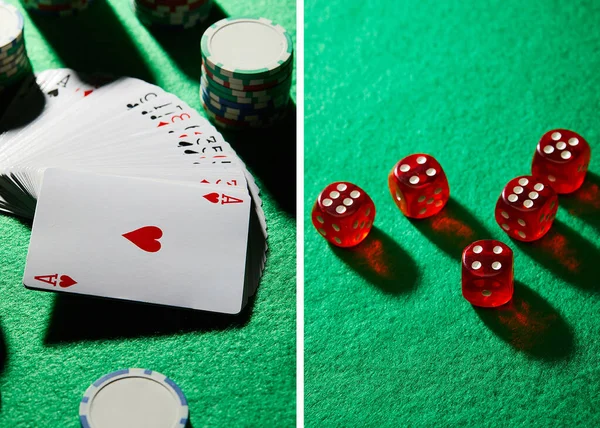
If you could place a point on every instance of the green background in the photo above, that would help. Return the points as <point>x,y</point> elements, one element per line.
<point>390,341</point>
<point>235,371</point>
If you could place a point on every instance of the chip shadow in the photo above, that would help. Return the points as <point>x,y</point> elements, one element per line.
<point>183,46</point>
<point>585,202</point>
<point>79,318</point>
<point>452,229</point>
<point>568,255</point>
<point>28,99</point>
<point>530,325</point>
<point>381,262</point>
<point>94,41</point>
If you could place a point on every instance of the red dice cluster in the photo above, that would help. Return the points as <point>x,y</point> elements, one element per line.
<point>525,210</point>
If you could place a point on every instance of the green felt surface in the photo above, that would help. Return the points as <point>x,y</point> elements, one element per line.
<point>390,341</point>
<point>235,371</point>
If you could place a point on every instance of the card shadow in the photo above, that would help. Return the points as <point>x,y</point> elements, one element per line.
<point>381,262</point>
<point>86,318</point>
<point>585,202</point>
<point>568,255</point>
<point>94,41</point>
<point>183,46</point>
<point>530,325</point>
<point>3,351</point>
<point>452,229</point>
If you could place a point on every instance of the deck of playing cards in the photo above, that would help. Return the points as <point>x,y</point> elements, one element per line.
<point>136,196</point>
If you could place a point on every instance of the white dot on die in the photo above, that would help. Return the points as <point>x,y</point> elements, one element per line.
<point>523,182</point>
<point>431,172</point>
<point>340,209</point>
<point>437,191</point>
<point>496,265</point>
<point>334,195</point>
<point>398,196</point>
<point>327,202</point>
<point>505,226</point>
<point>421,198</point>
<point>422,210</point>
<point>320,219</point>
<point>548,149</point>
<point>486,293</point>
<point>551,178</point>
<point>497,249</point>
<point>439,203</point>
<point>477,249</point>
<point>476,265</point>
<point>528,203</point>
<point>518,190</point>
<point>521,222</point>
<point>504,214</point>
<point>521,234</point>
<point>404,167</point>
<point>414,179</point>
<point>556,136</point>
<point>368,211</point>
<point>354,194</point>
<point>348,202</point>
<point>539,187</point>
<point>561,145</point>
<point>566,154</point>
<point>341,187</point>
<point>338,240</point>
<point>355,225</point>
<point>513,198</point>
<point>322,232</point>
<point>573,141</point>
<point>430,201</point>
<point>533,195</point>
<point>421,160</point>
<point>335,227</point>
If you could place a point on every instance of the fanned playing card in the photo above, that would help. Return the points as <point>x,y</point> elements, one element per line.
<point>123,127</point>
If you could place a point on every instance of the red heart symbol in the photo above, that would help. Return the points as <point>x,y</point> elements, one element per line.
<point>212,197</point>
<point>66,281</point>
<point>146,238</point>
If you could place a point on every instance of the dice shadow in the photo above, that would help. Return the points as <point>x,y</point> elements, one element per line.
<point>452,229</point>
<point>585,202</point>
<point>530,325</point>
<point>568,255</point>
<point>381,262</point>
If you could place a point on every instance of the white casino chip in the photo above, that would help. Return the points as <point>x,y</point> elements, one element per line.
<point>133,398</point>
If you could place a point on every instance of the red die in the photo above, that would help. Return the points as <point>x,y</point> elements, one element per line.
<point>487,273</point>
<point>419,186</point>
<point>526,208</point>
<point>343,214</point>
<point>561,158</point>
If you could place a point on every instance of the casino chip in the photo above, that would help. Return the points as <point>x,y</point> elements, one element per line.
<point>171,14</point>
<point>56,7</point>
<point>247,66</point>
<point>133,398</point>
<point>14,62</point>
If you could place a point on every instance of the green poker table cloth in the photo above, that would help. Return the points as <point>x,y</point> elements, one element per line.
<point>390,341</point>
<point>234,370</point>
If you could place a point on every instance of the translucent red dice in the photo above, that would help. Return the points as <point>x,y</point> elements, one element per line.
<point>561,158</point>
<point>487,273</point>
<point>419,186</point>
<point>526,208</point>
<point>343,214</point>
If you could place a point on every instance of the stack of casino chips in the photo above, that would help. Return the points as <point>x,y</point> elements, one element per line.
<point>14,62</point>
<point>56,7</point>
<point>173,14</point>
<point>247,66</point>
